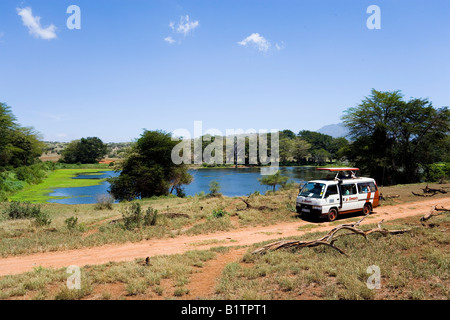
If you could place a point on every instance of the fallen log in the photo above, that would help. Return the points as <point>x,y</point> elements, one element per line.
<point>424,195</point>
<point>329,239</point>
<point>435,211</point>
<point>394,196</point>
<point>433,190</point>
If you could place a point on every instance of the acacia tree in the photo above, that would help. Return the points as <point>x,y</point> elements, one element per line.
<point>274,180</point>
<point>86,150</point>
<point>19,146</point>
<point>148,169</point>
<point>393,138</point>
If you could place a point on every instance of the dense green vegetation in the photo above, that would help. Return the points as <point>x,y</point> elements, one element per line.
<point>148,170</point>
<point>395,140</point>
<point>59,178</point>
<point>86,150</point>
<point>20,148</point>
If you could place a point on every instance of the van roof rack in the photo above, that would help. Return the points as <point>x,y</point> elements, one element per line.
<point>338,169</point>
<point>340,173</point>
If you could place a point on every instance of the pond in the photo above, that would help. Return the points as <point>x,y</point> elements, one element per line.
<point>233,182</point>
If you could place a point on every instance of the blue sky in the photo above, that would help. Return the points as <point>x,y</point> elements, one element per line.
<point>261,64</point>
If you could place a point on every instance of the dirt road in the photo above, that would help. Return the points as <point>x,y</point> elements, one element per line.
<point>180,244</point>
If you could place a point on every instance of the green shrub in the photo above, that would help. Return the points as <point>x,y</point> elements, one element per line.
<point>132,217</point>
<point>25,210</point>
<point>214,188</point>
<point>43,219</point>
<point>437,172</point>
<point>218,213</point>
<point>150,217</point>
<point>104,201</point>
<point>71,223</point>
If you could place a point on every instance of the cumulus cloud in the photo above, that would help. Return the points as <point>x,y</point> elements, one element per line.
<point>33,24</point>
<point>169,39</point>
<point>256,40</point>
<point>184,26</point>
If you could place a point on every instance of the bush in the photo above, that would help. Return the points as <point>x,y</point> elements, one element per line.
<point>214,188</point>
<point>437,172</point>
<point>25,210</point>
<point>150,217</point>
<point>219,213</point>
<point>132,216</point>
<point>43,219</point>
<point>71,223</point>
<point>104,201</point>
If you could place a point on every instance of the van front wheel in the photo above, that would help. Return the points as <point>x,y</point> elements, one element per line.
<point>332,214</point>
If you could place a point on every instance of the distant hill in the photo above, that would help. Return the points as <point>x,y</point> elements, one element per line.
<point>334,130</point>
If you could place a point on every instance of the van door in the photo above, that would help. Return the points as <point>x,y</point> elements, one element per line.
<point>349,197</point>
<point>331,197</point>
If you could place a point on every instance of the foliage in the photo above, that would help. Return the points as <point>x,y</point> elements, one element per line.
<point>214,188</point>
<point>437,172</point>
<point>218,213</point>
<point>393,138</point>
<point>42,219</point>
<point>150,217</point>
<point>104,201</point>
<point>274,180</point>
<point>133,217</point>
<point>19,146</point>
<point>148,169</point>
<point>25,210</point>
<point>86,150</point>
<point>19,210</point>
<point>71,223</point>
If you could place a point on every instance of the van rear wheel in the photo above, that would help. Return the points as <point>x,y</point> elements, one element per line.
<point>332,214</point>
<point>367,209</point>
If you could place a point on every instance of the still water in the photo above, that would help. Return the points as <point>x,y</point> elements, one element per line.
<point>233,182</point>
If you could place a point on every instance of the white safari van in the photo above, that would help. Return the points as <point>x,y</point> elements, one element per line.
<point>339,193</point>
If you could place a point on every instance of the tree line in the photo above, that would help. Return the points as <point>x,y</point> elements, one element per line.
<point>391,139</point>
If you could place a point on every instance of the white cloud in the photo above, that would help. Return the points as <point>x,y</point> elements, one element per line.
<point>34,24</point>
<point>169,39</point>
<point>257,40</point>
<point>186,25</point>
<point>280,46</point>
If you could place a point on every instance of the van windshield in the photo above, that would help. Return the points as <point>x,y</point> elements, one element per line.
<point>312,190</point>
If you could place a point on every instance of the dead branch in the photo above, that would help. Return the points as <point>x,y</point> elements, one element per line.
<point>435,211</point>
<point>176,215</point>
<point>329,239</point>
<point>433,190</point>
<point>249,206</point>
<point>394,196</point>
<point>424,195</point>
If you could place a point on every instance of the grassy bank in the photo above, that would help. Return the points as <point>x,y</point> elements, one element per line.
<point>60,178</point>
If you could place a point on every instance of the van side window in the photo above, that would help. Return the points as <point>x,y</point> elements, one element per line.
<point>348,189</point>
<point>366,187</point>
<point>331,190</point>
